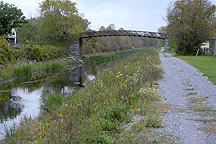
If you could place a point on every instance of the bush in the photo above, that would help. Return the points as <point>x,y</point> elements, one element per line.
<point>5,54</point>
<point>23,70</point>
<point>36,52</point>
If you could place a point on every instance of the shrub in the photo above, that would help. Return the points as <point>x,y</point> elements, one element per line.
<point>5,54</point>
<point>23,70</point>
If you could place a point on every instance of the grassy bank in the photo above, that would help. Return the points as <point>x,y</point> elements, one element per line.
<point>100,113</point>
<point>113,55</point>
<point>206,64</point>
<point>24,68</point>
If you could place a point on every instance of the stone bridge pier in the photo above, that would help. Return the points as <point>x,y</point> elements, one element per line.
<point>76,48</point>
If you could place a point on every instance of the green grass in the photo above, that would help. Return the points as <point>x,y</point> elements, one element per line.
<point>98,113</point>
<point>113,56</point>
<point>24,68</point>
<point>206,64</point>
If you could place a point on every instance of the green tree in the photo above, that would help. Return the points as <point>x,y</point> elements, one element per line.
<point>162,29</point>
<point>10,17</point>
<point>30,31</point>
<point>5,53</point>
<point>191,22</point>
<point>60,18</point>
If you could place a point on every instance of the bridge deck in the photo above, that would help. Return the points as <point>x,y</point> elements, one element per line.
<point>123,33</point>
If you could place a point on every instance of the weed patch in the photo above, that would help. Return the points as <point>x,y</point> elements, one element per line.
<point>209,128</point>
<point>188,89</point>
<point>192,94</point>
<point>204,120</point>
<point>196,104</point>
<point>162,107</point>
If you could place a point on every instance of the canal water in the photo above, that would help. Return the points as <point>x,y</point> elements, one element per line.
<point>23,97</point>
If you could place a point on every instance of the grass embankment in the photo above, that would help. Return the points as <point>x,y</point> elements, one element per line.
<point>100,112</point>
<point>113,55</point>
<point>206,64</point>
<point>22,69</point>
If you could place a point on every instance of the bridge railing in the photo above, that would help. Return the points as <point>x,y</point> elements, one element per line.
<point>123,33</point>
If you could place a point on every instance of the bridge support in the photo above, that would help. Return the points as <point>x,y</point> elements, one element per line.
<point>76,48</point>
<point>166,45</point>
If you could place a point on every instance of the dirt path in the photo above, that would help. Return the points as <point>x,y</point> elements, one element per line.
<point>192,98</point>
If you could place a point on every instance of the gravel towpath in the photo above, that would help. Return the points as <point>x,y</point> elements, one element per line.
<point>192,99</point>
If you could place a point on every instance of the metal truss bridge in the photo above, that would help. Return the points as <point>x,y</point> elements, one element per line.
<point>76,48</point>
<point>123,33</point>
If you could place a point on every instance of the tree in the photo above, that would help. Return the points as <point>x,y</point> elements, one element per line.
<point>162,29</point>
<point>60,18</point>
<point>10,17</point>
<point>30,31</point>
<point>191,22</point>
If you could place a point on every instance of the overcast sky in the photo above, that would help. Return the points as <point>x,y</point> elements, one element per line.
<point>146,15</point>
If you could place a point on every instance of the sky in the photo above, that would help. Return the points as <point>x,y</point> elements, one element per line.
<point>143,15</point>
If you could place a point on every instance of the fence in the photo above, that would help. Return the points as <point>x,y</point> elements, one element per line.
<point>214,47</point>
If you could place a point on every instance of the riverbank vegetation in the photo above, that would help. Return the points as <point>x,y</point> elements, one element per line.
<point>113,56</point>
<point>103,112</point>
<point>30,58</point>
<point>23,69</point>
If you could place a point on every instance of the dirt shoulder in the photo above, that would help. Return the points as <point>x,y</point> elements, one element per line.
<point>192,116</point>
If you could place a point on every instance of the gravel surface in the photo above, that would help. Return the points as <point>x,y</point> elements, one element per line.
<point>193,102</point>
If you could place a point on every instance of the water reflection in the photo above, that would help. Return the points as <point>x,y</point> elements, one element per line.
<point>23,97</point>
<point>11,108</point>
<point>76,75</point>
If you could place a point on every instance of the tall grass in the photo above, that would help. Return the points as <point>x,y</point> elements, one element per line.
<point>98,113</point>
<point>113,56</point>
<point>23,68</point>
